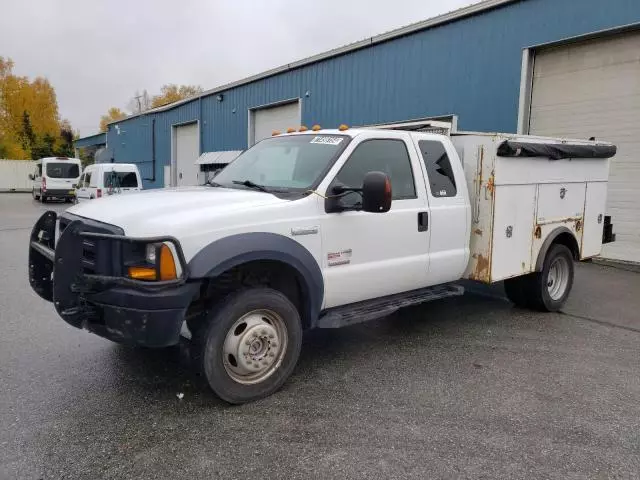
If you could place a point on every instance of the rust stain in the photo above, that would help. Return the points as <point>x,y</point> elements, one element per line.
<point>491,184</point>
<point>477,231</point>
<point>481,272</point>
<point>578,225</point>
<point>538,232</point>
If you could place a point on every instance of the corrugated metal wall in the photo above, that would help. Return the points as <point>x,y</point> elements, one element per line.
<point>469,67</point>
<point>93,140</point>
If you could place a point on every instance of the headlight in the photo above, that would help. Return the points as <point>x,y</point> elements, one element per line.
<point>158,264</point>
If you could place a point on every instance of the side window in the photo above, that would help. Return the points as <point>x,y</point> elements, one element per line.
<point>388,156</point>
<point>39,172</point>
<point>80,181</point>
<point>439,171</point>
<point>87,179</point>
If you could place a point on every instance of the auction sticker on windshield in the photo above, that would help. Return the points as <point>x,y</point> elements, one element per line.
<point>327,140</point>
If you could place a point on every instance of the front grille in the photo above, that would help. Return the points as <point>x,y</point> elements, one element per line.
<point>99,256</point>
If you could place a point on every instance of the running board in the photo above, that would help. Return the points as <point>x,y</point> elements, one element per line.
<point>381,307</point>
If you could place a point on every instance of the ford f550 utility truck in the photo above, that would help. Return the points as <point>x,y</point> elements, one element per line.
<point>323,229</point>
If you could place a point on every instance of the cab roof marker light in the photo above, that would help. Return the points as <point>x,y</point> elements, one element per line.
<point>316,127</point>
<point>275,133</point>
<point>303,128</point>
<point>343,127</point>
<point>291,130</point>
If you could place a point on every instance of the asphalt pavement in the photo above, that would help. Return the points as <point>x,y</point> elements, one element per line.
<point>468,387</point>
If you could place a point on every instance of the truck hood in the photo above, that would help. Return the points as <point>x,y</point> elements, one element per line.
<point>153,210</point>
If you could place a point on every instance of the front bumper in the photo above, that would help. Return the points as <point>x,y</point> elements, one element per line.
<point>81,274</point>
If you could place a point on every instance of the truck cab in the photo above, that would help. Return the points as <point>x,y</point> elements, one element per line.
<point>313,229</point>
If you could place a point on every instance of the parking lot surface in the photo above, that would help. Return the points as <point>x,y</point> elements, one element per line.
<point>469,387</point>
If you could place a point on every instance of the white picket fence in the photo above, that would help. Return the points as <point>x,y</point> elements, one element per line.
<point>14,175</point>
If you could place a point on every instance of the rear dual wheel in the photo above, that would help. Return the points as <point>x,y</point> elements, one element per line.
<point>248,345</point>
<point>547,290</point>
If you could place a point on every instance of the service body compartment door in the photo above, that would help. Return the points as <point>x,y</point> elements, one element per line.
<point>513,229</point>
<point>560,202</point>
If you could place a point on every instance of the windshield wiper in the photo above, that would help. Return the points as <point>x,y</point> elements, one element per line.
<point>250,184</point>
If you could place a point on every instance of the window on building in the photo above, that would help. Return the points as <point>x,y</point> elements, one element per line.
<point>439,171</point>
<point>388,156</point>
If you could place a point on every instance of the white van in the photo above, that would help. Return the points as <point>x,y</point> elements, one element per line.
<point>54,177</point>
<point>104,179</point>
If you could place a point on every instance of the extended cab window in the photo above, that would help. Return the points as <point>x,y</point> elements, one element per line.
<point>381,155</point>
<point>441,177</point>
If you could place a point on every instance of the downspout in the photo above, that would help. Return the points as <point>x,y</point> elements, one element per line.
<point>153,151</point>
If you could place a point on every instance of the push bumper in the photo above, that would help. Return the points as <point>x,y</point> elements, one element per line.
<point>81,274</point>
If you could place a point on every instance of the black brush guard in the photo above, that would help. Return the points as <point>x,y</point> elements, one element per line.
<point>82,275</point>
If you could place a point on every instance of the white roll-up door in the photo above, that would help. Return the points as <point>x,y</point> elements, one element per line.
<point>280,117</point>
<point>187,151</point>
<point>592,89</point>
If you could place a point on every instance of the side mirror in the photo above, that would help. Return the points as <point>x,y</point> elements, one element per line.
<point>31,176</point>
<point>75,185</point>
<point>376,193</point>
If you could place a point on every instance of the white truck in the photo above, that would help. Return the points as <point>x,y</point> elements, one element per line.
<point>323,229</point>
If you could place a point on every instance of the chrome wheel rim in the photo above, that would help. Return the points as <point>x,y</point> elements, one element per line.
<point>255,346</point>
<point>558,278</point>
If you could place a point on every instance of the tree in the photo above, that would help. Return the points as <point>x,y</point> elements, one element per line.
<point>29,119</point>
<point>67,136</point>
<point>113,114</point>
<point>140,102</point>
<point>172,93</point>
<point>28,137</point>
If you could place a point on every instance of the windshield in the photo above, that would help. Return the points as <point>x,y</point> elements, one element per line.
<point>63,170</point>
<point>120,180</point>
<point>294,162</point>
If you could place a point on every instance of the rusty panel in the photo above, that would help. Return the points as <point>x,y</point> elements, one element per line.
<point>478,157</point>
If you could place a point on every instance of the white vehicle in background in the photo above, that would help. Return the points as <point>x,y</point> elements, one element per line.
<point>54,177</point>
<point>105,179</point>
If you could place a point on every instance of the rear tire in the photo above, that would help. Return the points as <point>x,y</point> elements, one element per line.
<point>248,344</point>
<point>43,199</point>
<point>548,290</point>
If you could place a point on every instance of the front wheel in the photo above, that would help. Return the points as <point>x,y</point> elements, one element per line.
<point>248,345</point>
<point>548,290</point>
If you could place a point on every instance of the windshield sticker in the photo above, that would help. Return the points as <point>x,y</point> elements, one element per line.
<point>327,140</point>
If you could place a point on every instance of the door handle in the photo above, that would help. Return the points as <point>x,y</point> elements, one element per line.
<point>423,221</point>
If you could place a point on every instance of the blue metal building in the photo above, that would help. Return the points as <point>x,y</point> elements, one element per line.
<point>476,63</point>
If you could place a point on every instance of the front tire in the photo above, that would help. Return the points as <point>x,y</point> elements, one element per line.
<point>548,290</point>
<point>248,344</point>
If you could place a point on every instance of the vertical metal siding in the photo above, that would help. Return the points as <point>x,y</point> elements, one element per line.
<point>470,67</point>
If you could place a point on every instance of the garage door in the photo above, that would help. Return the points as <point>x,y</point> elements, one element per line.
<point>187,151</point>
<point>281,117</point>
<point>592,89</point>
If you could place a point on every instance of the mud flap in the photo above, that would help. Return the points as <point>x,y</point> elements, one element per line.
<point>41,267</point>
<point>67,297</point>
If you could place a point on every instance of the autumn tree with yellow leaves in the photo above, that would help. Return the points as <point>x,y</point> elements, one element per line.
<point>30,125</point>
<point>113,114</point>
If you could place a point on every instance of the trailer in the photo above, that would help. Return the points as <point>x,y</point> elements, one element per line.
<point>14,175</point>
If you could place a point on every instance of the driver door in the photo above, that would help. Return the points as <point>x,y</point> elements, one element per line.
<point>370,255</point>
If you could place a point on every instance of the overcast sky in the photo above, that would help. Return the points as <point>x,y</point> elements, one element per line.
<point>97,53</point>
